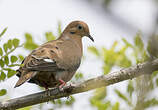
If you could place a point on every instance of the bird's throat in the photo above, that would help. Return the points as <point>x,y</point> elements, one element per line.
<point>74,38</point>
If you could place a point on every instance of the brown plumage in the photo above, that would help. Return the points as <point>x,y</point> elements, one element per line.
<point>55,62</point>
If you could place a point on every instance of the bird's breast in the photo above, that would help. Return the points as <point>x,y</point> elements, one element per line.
<point>70,55</point>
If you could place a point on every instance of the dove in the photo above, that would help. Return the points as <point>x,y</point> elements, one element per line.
<point>54,63</point>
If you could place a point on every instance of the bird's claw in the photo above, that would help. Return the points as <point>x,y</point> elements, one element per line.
<point>61,89</point>
<point>71,85</point>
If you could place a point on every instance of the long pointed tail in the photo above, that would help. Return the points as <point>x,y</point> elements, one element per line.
<point>20,82</point>
<point>24,78</point>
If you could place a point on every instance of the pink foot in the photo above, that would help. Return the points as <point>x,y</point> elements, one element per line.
<point>63,83</point>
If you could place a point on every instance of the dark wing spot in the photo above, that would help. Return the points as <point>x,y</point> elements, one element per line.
<point>56,47</point>
<point>54,60</point>
<point>34,54</point>
<point>52,51</point>
<point>42,51</point>
<point>33,51</point>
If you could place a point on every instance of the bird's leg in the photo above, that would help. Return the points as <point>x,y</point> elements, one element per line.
<point>47,90</point>
<point>71,85</point>
<point>63,83</point>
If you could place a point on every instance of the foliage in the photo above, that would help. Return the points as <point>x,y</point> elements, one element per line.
<point>8,61</point>
<point>26,108</point>
<point>124,56</point>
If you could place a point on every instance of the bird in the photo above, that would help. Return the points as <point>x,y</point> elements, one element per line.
<point>55,62</point>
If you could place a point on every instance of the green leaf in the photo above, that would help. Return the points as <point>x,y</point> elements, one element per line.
<point>122,96</point>
<point>127,43</point>
<point>157,81</point>
<point>113,47</point>
<point>50,36</point>
<point>59,101</point>
<point>2,76</point>
<point>107,2</point>
<point>11,73</point>
<point>130,88</point>
<point>138,42</point>
<point>110,56</point>
<point>29,44</point>
<point>152,47</point>
<point>1,63</point>
<point>104,105</point>
<point>2,33</point>
<point>154,74</point>
<point>13,58</point>
<point>16,42</point>
<point>21,57</point>
<point>78,76</point>
<point>122,60</point>
<point>100,93</point>
<point>9,44</point>
<point>70,101</point>
<point>59,28</point>
<point>2,92</point>
<point>28,37</point>
<point>107,68</point>
<point>26,108</point>
<point>6,60</point>
<point>93,50</point>
<point>101,105</point>
<point>1,51</point>
<point>5,47</point>
<point>116,106</point>
<point>150,103</point>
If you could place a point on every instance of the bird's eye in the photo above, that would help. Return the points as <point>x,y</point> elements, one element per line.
<point>79,27</point>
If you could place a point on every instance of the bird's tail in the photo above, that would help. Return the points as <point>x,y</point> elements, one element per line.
<point>24,78</point>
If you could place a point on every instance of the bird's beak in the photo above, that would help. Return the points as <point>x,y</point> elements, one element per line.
<point>90,37</point>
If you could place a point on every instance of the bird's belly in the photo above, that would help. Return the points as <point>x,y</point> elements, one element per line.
<point>51,79</point>
<point>45,79</point>
<point>65,75</point>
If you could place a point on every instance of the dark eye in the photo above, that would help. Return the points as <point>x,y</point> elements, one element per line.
<point>79,27</point>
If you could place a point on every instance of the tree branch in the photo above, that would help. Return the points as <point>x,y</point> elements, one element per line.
<point>101,81</point>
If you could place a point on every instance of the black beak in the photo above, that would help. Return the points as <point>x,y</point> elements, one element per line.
<point>90,37</point>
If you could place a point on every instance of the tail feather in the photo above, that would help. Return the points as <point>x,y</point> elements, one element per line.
<point>18,73</point>
<point>24,78</point>
<point>20,82</point>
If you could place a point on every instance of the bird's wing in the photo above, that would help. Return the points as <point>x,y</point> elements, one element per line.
<point>42,63</point>
<point>44,58</point>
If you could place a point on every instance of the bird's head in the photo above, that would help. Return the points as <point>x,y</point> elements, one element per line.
<point>78,28</point>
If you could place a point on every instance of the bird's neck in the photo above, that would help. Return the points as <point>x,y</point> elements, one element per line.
<point>74,38</point>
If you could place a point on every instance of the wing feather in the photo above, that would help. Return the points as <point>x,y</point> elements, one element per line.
<point>42,64</point>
